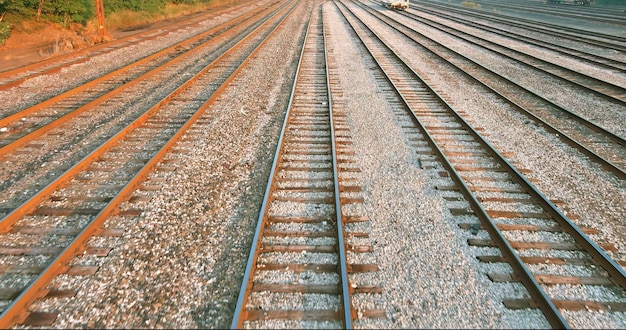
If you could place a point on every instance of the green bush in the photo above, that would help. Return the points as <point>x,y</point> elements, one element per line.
<point>18,9</point>
<point>5,32</point>
<point>67,12</point>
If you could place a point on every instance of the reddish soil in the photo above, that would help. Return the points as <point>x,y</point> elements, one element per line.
<point>31,44</point>
<point>24,48</point>
<point>35,43</point>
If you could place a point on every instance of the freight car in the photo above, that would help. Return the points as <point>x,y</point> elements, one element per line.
<point>396,4</point>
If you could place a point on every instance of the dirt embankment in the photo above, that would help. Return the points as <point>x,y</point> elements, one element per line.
<point>30,44</point>
<point>33,42</point>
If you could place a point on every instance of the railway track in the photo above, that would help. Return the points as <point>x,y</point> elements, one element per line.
<point>612,63</point>
<point>105,85</point>
<point>43,234</point>
<point>14,77</point>
<point>297,271</point>
<point>600,86</point>
<point>569,33</point>
<point>148,203</point>
<point>603,146</point>
<point>596,13</point>
<point>543,247</point>
<point>55,129</point>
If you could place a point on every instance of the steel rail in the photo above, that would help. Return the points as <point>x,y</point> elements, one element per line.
<point>15,312</point>
<point>608,165</point>
<point>549,10</point>
<point>564,50</point>
<point>246,288</point>
<point>240,314</point>
<point>594,10</point>
<point>571,33</point>
<point>547,306</point>
<point>28,111</point>
<point>45,192</point>
<point>618,93</point>
<point>347,303</point>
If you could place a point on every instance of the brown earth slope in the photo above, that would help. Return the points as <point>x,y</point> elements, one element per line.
<point>30,44</point>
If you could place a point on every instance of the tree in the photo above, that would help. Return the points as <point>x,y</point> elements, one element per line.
<point>101,20</point>
<point>69,11</point>
<point>39,9</point>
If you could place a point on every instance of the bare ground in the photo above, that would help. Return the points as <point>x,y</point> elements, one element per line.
<point>27,47</point>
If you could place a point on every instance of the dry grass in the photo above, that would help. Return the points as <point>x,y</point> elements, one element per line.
<point>129,19</point>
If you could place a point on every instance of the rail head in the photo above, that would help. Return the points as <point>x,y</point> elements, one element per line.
<point>246,287</point>
<point>16,311</point>
<point>550,311</point>
<point>347,301</point>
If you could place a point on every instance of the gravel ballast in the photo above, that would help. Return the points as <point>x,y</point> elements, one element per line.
<point>179,264</point>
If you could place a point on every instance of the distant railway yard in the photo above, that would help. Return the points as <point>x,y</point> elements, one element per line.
<point>322,164</point>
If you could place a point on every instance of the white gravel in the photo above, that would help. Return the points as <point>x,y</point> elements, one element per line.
<point>179,263</point>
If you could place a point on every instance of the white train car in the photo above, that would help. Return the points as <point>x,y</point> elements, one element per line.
<point>396,4</point>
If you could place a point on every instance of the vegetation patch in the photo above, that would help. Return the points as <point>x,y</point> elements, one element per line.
<point>5,32</point>
<point>119,14</point>
<point>127,19</point>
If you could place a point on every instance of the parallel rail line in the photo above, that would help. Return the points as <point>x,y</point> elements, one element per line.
<point>505,202</point>
<point>300,235</point>
<point>112,82</point>
<point>599,60</point>
<point>50,130</point>
<point>597,85</point>
<point>591,13</point>
<point>76,205</point>
<point>13,77</point>
<point>586,36</point>
<point>601,145</point>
